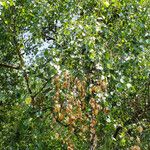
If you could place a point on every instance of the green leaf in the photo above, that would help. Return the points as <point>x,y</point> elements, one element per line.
<point>28,100</point>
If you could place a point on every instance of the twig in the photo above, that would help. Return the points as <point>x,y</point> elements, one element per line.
<point>9,66</point>
<point>40,90</point>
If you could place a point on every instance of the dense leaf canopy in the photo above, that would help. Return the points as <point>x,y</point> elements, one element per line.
<point>74,74</point>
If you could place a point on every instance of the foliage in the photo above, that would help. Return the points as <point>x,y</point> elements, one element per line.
<point>74,74</point>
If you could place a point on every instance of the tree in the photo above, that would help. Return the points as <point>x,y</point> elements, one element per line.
<point>74,74</point>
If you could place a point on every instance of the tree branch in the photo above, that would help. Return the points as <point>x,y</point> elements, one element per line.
<point>17,46</point>
<point>40,90</point>
<point>10,66</point>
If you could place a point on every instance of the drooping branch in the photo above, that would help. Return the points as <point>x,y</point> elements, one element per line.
<point>10,66</point>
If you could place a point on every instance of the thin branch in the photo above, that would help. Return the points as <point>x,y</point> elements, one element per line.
<point>40,90</point>
<point>16,44</point>
<point>9,66</point>
<point>22,65</point>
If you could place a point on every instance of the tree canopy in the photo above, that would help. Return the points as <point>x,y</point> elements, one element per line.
<point>74,74</point>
